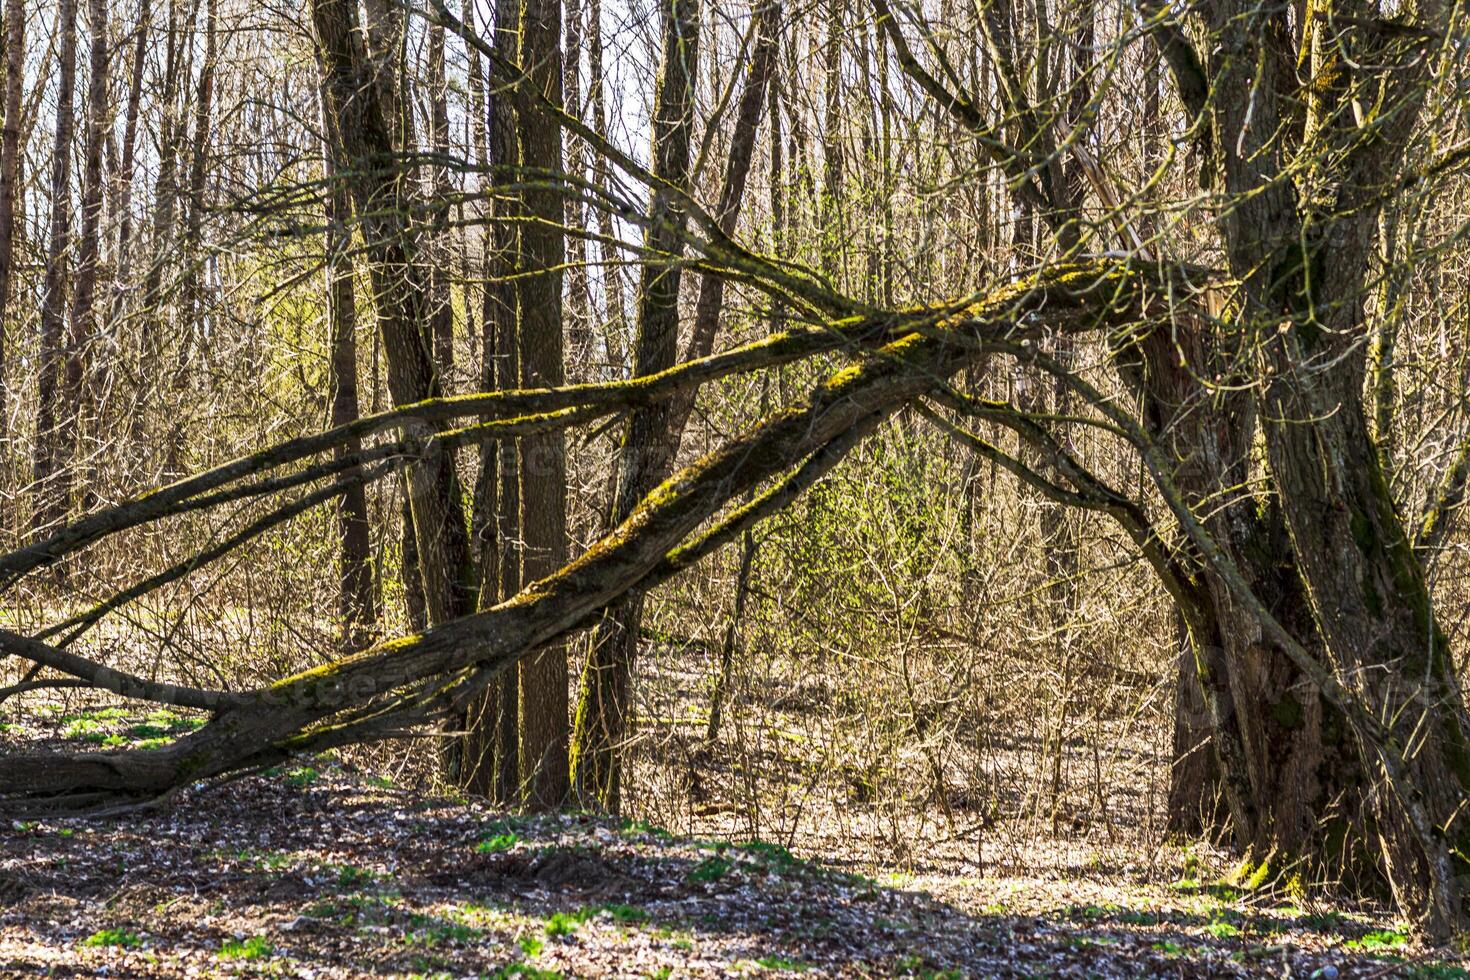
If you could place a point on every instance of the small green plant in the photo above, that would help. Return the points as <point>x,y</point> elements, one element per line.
<point>1221,929</point>
<point>114,937</point>
<point>566,923</point>
<point>781,963</point>
<point>775,857</point>
<point>497,844</point>
<point>302,776</point>
<point>1378,940</point>
<point>432,932</point>
<point>254,948</point>
<point>1169,948</point>
<point>351,876</point>
<point>531,945</point>
<point>710,869</point>
<point>625,913</point>
<point>644,827</point>
<point>526,972</point>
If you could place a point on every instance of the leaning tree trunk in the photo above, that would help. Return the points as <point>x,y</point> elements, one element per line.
<point>647,451</point>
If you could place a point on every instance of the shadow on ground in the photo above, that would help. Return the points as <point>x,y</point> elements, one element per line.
<point>314,871</point>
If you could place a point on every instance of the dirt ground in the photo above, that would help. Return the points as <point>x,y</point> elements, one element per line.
<point>320,870</point>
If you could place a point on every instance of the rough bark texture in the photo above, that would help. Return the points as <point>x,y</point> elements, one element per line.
<point>544,774</point>
<point>648,443</point>
<point>1301,249</point>
<point>486,761</point>
<point>82,329</point>
<point>357,595</point>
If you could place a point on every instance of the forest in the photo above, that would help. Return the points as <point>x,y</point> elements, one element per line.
<point>660,488</point>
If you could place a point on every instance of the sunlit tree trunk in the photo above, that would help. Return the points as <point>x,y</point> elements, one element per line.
<point>357,591</point>
<point>80,422</point>
<point>486,761</point>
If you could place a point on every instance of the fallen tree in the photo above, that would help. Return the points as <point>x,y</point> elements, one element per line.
<point>390,689</point>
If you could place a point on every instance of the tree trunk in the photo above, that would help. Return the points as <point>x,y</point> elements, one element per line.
<point>15,56</point>
<point>50,502</point>
<point>382,197</point>
<point>441,309</point>
<point>486,761</point>
<point>615,330</point>
<point>357,593</point>
<point>648,444</point>
<point>83,330</point>
<point>544,776</point>
<point>579,299</point>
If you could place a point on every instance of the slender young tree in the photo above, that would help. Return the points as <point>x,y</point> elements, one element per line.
<point>80,419</point>
<point>50,501</point>
<point>357,594</point>
<point>15,57</point>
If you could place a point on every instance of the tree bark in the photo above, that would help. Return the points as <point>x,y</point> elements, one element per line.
<point>648,445</point>
<point>50,500</point>
<point>80,422</point>
<point>15,55</point>
<point>544,774</point>
<point>486,761</point>
<point>357,591</point>
<point>382,197</point>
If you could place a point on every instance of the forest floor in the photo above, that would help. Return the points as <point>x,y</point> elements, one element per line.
<point>323,871</point>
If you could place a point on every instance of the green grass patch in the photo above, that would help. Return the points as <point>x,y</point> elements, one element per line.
<point>782,963</point>
<point>1378,940</point>
<point>710,869</point>
<point>497,844</point>
<point>254,948</point>
<point>302,776</point>
<point>114,937</point>
<point>624,913</point>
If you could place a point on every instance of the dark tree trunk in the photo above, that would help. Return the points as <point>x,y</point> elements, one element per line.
<point>50,502</point>
<point>544,775</point>
<point>382,197</point>
<point>79,422</point>
<point>15,54</point>
<point>486,761</point>
<point>648,444</point>
<point>357,593</point>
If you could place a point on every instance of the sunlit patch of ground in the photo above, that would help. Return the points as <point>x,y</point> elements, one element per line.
<point>314,870</point>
